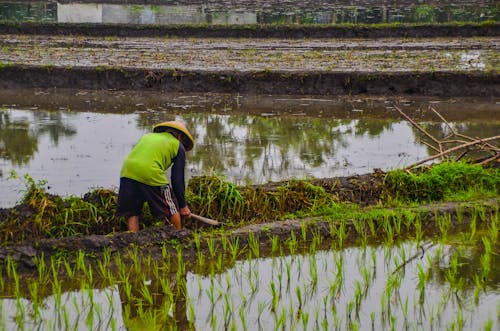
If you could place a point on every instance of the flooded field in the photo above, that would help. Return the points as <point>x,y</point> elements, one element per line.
<point>248,12</point>
<point>447,283</point>
<point>77,140</point>
<point>297,110</point>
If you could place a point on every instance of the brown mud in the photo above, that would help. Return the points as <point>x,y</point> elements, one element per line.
<point>251,31</point>
<point>444,84</point>
<point>457,109</point>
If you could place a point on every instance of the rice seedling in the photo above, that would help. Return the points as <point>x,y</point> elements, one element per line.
<point>444,224</point>
<point>211,246</point>
<point>254,246</point>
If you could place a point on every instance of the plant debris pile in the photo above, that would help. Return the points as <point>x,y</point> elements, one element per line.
<point>42,215</point>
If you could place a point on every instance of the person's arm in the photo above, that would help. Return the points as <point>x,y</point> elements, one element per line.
<point>177,177</point>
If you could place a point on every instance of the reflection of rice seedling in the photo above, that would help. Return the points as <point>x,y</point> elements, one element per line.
<point>486,258</point>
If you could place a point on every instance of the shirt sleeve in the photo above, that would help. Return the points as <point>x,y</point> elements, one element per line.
<point>177,176</point>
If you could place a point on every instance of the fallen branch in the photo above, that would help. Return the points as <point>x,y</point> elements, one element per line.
<point>422,248</point>
<point>463,141</point>
<point>456,148</point>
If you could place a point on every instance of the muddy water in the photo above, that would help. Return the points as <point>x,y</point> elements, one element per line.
<point>78,141</point>
<point>213,12</point>
<point>330,290</point>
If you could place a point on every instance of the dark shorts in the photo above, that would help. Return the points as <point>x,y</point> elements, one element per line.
<point>132,195</point>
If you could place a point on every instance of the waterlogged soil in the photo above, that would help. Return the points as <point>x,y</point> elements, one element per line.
<point>326,66</point>
<point>213,54</point>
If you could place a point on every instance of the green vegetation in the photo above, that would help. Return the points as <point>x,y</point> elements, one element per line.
<point>41,215</point>
<point>441,182</point>
<point>296,278</point>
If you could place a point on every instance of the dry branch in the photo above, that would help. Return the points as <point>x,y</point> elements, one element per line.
<point>463,142</point>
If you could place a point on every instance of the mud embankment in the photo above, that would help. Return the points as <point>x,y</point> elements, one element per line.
<point>265,82</point>
<point>254,31</point>
<point>186,60</point>
<point>151,240</point>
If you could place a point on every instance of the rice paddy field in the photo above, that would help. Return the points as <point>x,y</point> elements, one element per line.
<point>316,126</point>
<point>386,250</point>
<point>383,271</point>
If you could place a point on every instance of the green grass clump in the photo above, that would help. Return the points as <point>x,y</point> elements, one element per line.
<point>213,196</point>
<point>440,182</point>
<point>43,215</point>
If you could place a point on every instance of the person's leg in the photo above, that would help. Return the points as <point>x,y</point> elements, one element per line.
<point>175,220</point>
<point>130,202</point>
<point>163,204</point>
<point>133,223</point>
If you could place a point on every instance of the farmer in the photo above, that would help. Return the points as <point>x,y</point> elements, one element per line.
<point>143,179</point>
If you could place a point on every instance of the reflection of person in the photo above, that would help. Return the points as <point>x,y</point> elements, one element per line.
<point>142,177</point>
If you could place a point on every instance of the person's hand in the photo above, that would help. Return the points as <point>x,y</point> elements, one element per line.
<point>185,212</point>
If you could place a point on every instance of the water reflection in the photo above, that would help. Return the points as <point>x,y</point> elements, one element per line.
<point>19,135</point>
<point>75,152</point>
<point>268,13</point>
<point>339,289</point>
<point>91,309</point>
<point>361,286</point>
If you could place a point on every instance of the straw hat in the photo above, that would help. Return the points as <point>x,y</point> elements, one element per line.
<point>187,138</point>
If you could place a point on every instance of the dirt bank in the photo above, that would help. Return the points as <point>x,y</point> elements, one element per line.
<point>253,31</point>
<point>265,82</point>
<point>389,66</point>
<point>151,240</point>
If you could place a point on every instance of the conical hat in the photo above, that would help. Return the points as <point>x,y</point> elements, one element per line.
<point>187,138</point>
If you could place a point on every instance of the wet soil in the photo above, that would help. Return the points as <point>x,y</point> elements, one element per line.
<point>151,240</point>
<point>252,31</point>
<point>389,66</point>
<point>456,109</point>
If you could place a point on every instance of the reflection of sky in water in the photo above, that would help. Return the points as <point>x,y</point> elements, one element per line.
<point>326,283</point>
<point>471,60</point>
<point>78,310</point>
<point>76,152</point>
<point>247,287</point>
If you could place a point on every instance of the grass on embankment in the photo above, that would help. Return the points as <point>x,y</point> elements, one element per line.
<point>41,215</point>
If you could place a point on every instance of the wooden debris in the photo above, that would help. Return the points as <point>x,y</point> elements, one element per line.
<point>454,142</point>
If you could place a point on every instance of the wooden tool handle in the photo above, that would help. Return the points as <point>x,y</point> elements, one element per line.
<point>204,219</point>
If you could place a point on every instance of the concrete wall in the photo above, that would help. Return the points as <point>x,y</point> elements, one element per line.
<point>79,13</point>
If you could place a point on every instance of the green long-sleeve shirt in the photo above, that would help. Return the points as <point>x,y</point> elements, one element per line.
<point>150,158</point>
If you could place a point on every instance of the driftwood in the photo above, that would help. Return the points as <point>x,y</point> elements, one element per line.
<point>459,142</point>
